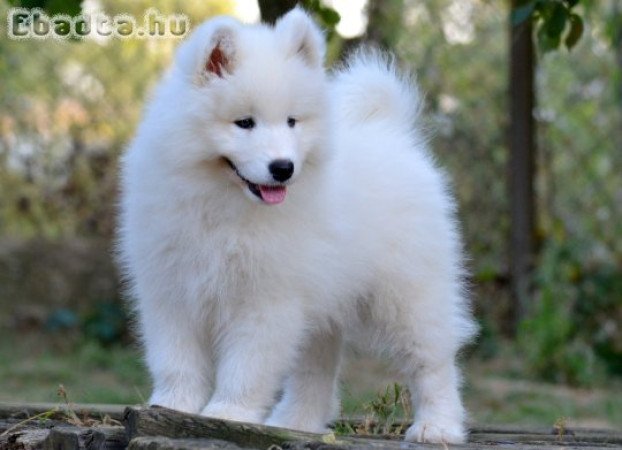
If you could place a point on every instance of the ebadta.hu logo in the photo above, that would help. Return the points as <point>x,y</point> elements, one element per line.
<point>25,23</point>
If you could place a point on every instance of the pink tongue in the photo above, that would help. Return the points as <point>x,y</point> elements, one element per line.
<point>272,194</point>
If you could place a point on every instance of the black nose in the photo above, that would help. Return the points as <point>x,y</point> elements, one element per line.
<point>281,169</point>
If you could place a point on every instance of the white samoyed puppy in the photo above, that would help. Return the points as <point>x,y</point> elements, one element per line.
<point>270,213</point>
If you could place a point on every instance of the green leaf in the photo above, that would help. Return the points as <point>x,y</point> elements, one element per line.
<point>330,16</point>
<point>576,31</point>
<point>556,22</point>
<point>547,42</point>
<point>571,3</point>
<point>522,13</point>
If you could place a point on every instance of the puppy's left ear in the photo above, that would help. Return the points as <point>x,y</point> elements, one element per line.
<point>302,37</point>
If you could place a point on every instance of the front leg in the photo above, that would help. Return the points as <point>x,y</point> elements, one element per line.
<point>310,399</point>
<point>256,350</point>
<point>176,357</point>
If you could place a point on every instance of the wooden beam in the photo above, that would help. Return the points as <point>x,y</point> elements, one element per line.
<point>164,422</point>
<point>163,443</point>
<point>165,429</point>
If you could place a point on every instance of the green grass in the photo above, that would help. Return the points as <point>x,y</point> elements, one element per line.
<point>498,391</point>
<point>509,400</point>
<point>32,366</point>
<point>515,406</point>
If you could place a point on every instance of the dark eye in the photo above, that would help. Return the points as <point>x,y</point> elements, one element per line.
<point>291,122</point>
<point>246,123</point>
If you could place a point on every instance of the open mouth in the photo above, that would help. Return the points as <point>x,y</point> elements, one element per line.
<point>270,194</point>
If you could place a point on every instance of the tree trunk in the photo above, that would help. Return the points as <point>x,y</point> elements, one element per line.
<point>521,165</point>
<point>617,45</point>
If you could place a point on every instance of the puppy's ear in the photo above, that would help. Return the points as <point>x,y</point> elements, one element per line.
<point>210,51</point>
<point>302,37</point>
<point>220,54</point>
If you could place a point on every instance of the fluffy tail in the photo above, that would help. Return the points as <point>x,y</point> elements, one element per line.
<point>369,87</point>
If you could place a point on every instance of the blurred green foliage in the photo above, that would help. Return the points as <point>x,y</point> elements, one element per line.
<point>104,322</point>
<point>574,331</point>
<point>69,7</point>
<point>67,110</point>
<point>327,17</point>
<point>554,20</point>
<point>573,335</point>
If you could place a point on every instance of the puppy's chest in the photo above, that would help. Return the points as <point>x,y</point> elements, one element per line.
<point>234,264</point>
<point>227,257</point>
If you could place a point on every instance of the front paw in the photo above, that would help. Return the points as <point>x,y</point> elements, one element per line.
<point>297,423</point>
<point>179,403</point>
<point>228,411</point>
<point>436,432</point>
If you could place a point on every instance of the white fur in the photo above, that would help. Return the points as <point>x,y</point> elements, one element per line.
<point>237,299</point>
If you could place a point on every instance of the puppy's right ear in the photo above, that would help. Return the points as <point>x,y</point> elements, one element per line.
<point>210,51</point>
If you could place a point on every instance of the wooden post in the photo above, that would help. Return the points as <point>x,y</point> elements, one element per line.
<point>521,165</point>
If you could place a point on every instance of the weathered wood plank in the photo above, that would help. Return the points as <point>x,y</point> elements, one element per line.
<point>24,439</point>
<point>469,446</point>
<point>542,439</point>
<point>163,443</point>
<point>159,428</point>
<point>160,443</point>
<point>164,422</point>
<point>571,431</point>
<point>85,438</point>
<point>19,434</point>
<point>52,434</point>
<point>25,410</point>
<point>159,421</point>
<point>516,434</point>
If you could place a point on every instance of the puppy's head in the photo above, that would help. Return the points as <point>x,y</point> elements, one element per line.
<point>257,100</point>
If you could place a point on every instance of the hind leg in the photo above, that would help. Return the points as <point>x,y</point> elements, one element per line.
<point>423,335</point>
<point>439,414</point>
<point>310,397</point>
